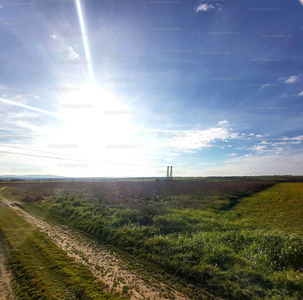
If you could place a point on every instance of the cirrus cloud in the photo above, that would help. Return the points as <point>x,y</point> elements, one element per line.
<point>291,79</point>
<point>205,7</point>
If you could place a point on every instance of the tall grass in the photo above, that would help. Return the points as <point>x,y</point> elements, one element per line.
<point>192,231</point>
<point>229,260</point>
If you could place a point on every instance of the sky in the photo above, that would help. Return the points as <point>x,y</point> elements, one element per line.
<point>125,88</point>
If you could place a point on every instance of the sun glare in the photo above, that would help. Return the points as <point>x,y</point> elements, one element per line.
<point>94,119</point>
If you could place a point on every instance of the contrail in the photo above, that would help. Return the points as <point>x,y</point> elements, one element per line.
<point>85,41</point>
<point>28,107</point>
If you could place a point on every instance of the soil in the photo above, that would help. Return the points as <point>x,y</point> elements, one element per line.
<point>102,263</point>
<point>6,277</point>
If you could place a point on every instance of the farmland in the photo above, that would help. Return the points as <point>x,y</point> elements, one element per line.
<point>278,207</point>
<point>236,239</point>
<point>41,269</point>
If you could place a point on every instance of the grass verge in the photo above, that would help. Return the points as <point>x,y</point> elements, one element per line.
<point>41,269</point>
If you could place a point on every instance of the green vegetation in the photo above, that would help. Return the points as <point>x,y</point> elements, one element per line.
<point>209,235</point>
<point>41,269</point>
<point>280,206</point>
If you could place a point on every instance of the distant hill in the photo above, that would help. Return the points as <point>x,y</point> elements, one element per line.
<point>29,176</point>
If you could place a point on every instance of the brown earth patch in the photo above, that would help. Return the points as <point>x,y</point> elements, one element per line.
<point>103,264</point>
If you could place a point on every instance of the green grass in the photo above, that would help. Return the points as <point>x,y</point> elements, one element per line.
<point>41,269</point>
<point>221,243</point>
<point>201,247</point>
<point>280,206</point>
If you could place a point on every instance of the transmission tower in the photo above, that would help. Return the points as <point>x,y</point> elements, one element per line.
<point>169,173</point>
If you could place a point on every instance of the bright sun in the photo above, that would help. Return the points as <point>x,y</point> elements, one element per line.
<point>99,126</point>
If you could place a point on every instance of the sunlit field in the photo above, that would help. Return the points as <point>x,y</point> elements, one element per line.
<point>278,207</point>
<point>232,240</point>
<point>41,269</point>
<point>151,150</point>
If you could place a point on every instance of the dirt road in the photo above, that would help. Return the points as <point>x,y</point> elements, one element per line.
<point>6,291</point>
<point>104,265</point>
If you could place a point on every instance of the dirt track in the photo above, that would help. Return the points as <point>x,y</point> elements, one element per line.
<point>104,265</point>
<point>6,292</point>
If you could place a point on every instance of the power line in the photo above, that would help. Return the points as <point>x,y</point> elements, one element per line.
<point>21,148</point>
<point>34,150</point>
<point>74,157</point>
<point>77,160</point>
<point>70,156</point>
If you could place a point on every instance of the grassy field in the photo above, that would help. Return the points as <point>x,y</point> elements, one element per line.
<point>41,269</point>
<point>281,178</point>
<point>213,236</point>
<point>280,206</point>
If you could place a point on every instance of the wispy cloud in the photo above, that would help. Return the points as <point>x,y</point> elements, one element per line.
<point>204,7</point>
<point>296,138</point>
<point>301,1</point>
<point>291,79</point>
<point>259,165</point>
<point>222,123</point>
<point>26,106</point>
<point>232,154</point>
<point>219,6</point>
<point>72,53</point>
<point>189,140</point>
<point>259,148</point>
<point>277,146</point>
<point>301,94</point>
<point>265,86</point>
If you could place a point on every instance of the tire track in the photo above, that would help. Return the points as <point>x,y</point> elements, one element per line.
<point>6,291</point>
<point>6,277</point>
<point>103,265</point>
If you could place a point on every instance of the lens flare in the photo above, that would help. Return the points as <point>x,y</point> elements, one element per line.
<point>85,41</point>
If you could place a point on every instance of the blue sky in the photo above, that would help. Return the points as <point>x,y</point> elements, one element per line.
<point>125,88</point>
